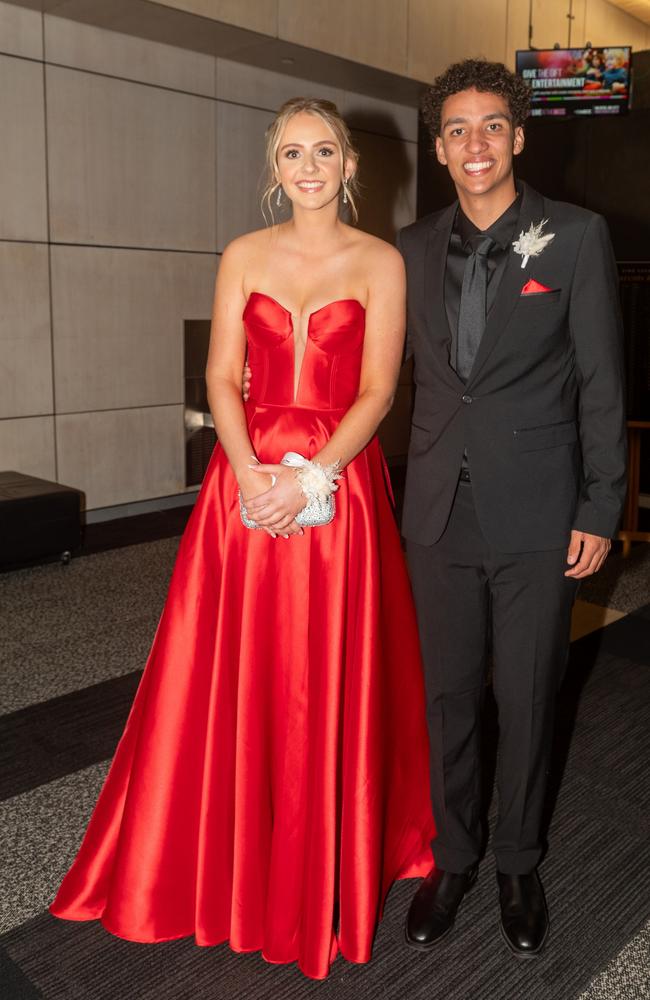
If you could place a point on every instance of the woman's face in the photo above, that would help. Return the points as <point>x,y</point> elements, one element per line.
<point>309,162</point>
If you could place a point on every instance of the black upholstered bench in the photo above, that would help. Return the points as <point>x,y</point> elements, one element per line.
<point>38,519</point>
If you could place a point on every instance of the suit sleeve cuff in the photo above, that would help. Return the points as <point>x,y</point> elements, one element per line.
<point>596,521</point>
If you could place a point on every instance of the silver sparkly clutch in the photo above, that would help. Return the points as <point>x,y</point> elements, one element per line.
<point>316,513</point>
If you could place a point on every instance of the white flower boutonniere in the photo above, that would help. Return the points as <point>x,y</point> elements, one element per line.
<point>532,243</point>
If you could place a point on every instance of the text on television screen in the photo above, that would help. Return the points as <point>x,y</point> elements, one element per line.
<point>593,81</point>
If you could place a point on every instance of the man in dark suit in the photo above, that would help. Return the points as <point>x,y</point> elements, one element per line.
<point>515,481</point>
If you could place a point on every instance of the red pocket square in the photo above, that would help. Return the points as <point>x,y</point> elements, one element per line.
<point>533,287</point>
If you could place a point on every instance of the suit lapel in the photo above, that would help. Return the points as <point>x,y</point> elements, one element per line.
<point>435,263</point>
<point>514,277</point>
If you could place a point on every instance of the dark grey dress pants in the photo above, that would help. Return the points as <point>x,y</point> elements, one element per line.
<point>464,590</point>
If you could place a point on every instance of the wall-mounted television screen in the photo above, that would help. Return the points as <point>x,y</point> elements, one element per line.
<point>566,82</point>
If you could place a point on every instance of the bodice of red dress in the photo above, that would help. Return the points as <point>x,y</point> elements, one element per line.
<point>331,364</point>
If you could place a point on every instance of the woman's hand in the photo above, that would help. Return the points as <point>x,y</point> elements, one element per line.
<point>276,509</point>
<point>249,487</point>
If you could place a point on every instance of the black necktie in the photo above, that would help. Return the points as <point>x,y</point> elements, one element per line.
<point>471,313</point>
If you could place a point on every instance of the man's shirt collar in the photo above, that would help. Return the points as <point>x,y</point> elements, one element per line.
<point>501,231</point>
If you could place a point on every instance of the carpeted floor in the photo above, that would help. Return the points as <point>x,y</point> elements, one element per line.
<point>64,704</point>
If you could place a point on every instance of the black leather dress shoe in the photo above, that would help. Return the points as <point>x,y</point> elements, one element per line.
<point>433,908</point>
<point>524,917</point>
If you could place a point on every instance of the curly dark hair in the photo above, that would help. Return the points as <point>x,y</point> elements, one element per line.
<point>479,74</point>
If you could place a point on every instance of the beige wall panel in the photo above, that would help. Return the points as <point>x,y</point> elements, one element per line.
<point>608,25</point>
<point>257,15</point>
<point>383,117</point>
<point>443,33</point>
<point>388,175</point>
<point>21,31</point>
<point>120,456</point>
<point>23,212</point>
<point>118,324</point>
<point>550,25</point>
<point>84,46</point>
<point>27,446</point>
<point>130,165</point>
<point>25,345</point>
<point>240,162</point>
<point>262,88</point>
<point>373,32</point>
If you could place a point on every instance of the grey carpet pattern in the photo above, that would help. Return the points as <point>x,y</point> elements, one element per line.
<point>627,976</point>
<point>53,738</point>
<point>622,584</point>
<point>39,835</point>
<point>103,611</point>
<point>65,627</point>
<point>39,671</point>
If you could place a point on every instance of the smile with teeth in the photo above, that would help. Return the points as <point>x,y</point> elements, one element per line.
<point>475,168</point>
<point>310,185</point>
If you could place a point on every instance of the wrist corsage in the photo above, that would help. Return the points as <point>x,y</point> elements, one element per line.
<point>317,482</point>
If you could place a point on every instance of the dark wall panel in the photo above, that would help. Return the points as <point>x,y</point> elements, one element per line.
<point>602,164</point>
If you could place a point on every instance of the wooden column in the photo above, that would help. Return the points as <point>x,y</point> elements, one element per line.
<point>630,531</point>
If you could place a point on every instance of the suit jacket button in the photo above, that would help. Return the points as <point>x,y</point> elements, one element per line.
<point>468,399</point>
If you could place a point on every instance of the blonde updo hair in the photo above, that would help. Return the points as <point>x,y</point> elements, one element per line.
<point>328,112</point>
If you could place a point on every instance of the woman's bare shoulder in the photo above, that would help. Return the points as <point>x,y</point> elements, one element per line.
<point>249,244</point>
<point>376,249</point>
<point>378,261</point>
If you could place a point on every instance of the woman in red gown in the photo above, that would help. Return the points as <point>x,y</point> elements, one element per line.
<point>272,779</point>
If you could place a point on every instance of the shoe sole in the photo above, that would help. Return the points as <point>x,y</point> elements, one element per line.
<point>525,955</point>
<point>419,946</point>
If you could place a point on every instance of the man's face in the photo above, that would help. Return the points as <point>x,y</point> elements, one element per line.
<point>477,142</point>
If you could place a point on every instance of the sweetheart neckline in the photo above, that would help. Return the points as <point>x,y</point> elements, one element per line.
<point>314,312</point>
<point>287,312</point>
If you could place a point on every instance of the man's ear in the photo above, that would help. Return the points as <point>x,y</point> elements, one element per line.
<point>518,141</point>
<point>440,151</point>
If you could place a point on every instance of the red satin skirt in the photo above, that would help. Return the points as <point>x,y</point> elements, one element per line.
<point>272,779</point>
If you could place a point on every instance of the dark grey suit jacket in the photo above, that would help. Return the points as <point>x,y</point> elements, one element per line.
<point>542,415</point>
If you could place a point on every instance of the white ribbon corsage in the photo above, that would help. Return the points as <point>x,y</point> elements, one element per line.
<point>532,243</point>
<point>315,480</point>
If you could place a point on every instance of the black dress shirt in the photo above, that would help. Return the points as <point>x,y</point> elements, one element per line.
<point>503,233</point>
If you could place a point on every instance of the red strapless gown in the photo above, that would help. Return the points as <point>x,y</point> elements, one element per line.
<point>272,778</point>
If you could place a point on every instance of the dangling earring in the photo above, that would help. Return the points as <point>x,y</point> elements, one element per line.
<point>278,200</point>
<point>345,191</point>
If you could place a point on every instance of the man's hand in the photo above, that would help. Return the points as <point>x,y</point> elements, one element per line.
<point>586,554</point>
<point>246,383</point>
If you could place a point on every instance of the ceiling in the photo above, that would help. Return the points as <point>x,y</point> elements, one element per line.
<point>637,8</point>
